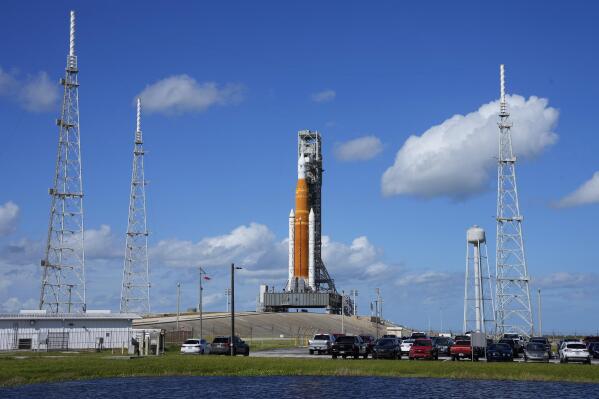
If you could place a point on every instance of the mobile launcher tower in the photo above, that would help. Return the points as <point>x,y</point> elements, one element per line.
<point>309,284</point>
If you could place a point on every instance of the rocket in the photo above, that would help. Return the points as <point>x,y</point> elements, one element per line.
<point>301,235</point>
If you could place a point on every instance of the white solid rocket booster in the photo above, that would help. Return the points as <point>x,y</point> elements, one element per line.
<point>291,247</point>
<point>311,269</point>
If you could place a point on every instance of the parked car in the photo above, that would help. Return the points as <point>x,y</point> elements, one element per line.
<point>443,345</point>
<point>535,351</point>
<point>349,345</point>
<point>387,348</point>
<point>594,350</point>
<point>512,343</point>
<point>518,341</point>
<point>222,346</point>
<point>423,349</point>
<point>405,346</point>
<point>418,334</point>
<point>545,342</point>
<point>195,346</point>
<point>500,353</point>
<point>462,349</point>
<point>574,352</point>
<point>389,336</point>
<point>369,341</point>
<point>321,343</point>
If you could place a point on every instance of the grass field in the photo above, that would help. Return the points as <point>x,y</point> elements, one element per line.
<point>25,369</point>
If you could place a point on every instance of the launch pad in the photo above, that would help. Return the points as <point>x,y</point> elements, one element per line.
<point>309,284</point>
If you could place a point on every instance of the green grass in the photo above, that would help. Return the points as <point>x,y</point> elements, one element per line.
<point>62,367</point>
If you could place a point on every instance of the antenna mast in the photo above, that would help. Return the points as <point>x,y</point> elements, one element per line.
<point>514,313</point>
<point>63,276</point>
<point>135,292</point>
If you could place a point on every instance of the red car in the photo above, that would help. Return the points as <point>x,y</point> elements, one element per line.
<point>423,349</point>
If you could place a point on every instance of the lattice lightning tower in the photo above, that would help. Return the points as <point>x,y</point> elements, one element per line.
<point>135,293</point>
<point>63,276</point>
<point>512,292</point>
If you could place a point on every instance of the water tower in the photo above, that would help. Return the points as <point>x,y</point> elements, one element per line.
<point>479,311</point>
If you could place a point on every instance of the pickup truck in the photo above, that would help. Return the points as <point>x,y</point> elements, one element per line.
<point>349,346</point>
<point>321,343</point>
<point>462,349</point>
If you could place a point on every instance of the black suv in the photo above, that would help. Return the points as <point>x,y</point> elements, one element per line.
<point>221,346</point>
<point>387,348</point>
<point>349,346</point>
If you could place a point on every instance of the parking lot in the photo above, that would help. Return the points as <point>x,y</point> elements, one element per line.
<point>302,352</point>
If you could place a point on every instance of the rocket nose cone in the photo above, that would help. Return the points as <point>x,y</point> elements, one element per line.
<point>301,167</point>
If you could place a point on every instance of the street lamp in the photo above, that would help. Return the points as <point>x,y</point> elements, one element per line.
<point>200,305</point>
<point>178,302</point>
<point>232,342</point>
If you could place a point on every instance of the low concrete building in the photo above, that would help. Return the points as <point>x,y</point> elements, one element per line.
<point>39,330</point>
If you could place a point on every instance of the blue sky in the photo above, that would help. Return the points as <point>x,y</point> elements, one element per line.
<point>222,152</point>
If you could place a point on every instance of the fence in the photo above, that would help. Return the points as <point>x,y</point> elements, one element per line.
<point>64,339</point>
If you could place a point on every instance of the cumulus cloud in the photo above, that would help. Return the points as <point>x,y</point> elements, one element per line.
<point>587,193</point>
<point>34,93</point>
<point>431,286</point>
<point>457,158</point>
<point>359,149</point>
<point>102,244</point>
<point>324,96</point>
<point>39,94</point>
<point>9,213</point>
<point>181,93</point>
<point>265,258</point>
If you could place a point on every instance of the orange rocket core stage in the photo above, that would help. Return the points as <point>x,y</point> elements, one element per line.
<point>300,255</point>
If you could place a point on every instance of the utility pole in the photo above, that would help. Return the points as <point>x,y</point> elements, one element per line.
<point>232,342</point>
<point>377,309</point>
<point>178,302</point>
<point>540,314</point>
<point>342,312</point>
<point>200,305</point>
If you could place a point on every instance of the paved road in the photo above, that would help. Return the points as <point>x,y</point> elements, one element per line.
<point>303,353</point>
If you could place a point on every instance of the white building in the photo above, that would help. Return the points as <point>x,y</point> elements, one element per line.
<point>100,329</point>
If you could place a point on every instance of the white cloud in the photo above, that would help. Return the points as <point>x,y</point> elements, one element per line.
<point>102,244</point>
<point>456,158</point>
<point>39,94</point>
<point>14,304</point>
<point>9,213</point>
<point>324,96</point>
<point>181,93</point>
<point>360,258</point>
<point>34,93</point>
<point>360,149</point>
<point>588,193</point>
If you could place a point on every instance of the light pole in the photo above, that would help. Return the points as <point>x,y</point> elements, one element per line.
<point>378,307</point>
<point>200,305</point>
<point>342,312</point>
<point>232,342</point>
<point>178,302</point>
<point>540,316</point>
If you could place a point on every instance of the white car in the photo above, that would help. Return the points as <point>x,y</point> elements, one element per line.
<point>406,345</point>
<point>195,346</point>
<point>574,352</point>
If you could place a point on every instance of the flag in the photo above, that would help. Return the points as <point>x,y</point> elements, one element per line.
<point>207,278</point>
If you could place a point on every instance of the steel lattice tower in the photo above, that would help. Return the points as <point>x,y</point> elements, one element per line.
<point>63,277</point>
<point>512,292</point>
<point>135,293</point>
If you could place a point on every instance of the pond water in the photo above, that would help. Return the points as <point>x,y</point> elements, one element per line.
<point>294,387</point>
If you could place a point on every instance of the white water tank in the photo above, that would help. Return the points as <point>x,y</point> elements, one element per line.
<point>475,235</point>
